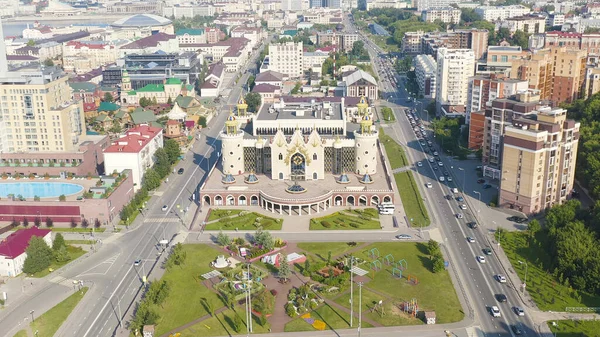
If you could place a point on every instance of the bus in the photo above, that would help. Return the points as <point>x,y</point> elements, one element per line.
<point>386,208</point>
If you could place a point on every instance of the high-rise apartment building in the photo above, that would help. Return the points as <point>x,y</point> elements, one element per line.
<point>447,15</point>
<point>499,13</point>
<point>538,164</point>
<point>423,5</point>
<point>39,113</point>
<point>286,58</point>
<point>429,43</point>
<point>454,67</point>
<point>425,71</point>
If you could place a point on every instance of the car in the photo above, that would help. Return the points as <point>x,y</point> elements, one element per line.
<point>495,311</point>
<point>516,329</point>
<point>137,262</point>
<point>431,160</point>
<point>446,173</point>
<point>438,158</point>
<point>481,259</point>
<point>423,143</point>
<point>462,206</point>
<point>486,186</point>
<point>454,190</point>
<point>440,164</point>
<point>448,197</point>
<point>470,239</point>
<point>500,278</point>
<point>419,164</point>
<point>472,225</point>
<point>501,298</point>
<point>164,208</point>
<point>519,311</point>
<point>459,216</point>
<point>480,181</point>
<point>435,168</point>
<point>487,251</point>
<point>435,153</point>
<point>180,171</point>
<point>449,178</point>
<point>403,237</point>
<point>429,185</point>
<point>460,199</point>
<point>442,179</point>
<point>517,219</point>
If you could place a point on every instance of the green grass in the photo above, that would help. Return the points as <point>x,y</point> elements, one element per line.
<point>80,242</point>
<point>388,114</point>
<point>343,221</point>
<point>323,248</point>
<point>22,333</point>
<point>48,323</point>
<point>74,253</point>
<point>411,199</point>
<point>184,302</point>
<point>222,325</point>
<point>547,291</point>
<point>333,317</point>
<point>370,212</point>
<point>434,291</point>
<point>216,214</point>
<point>395,152</point>
<point>244,222</point>
<point>576,328</point>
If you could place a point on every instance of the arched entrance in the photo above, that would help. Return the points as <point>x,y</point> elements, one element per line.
<point>350,200</point>
<point>362,200</point>
<point>298,167</point>
<point>374,200</point>
<point>254,200</point>
<point>230,200</point>
<point>218,200</point>
<point>242,200</point>
<point>206,200</point>
<point>338,200</point>
<point>387,199</point>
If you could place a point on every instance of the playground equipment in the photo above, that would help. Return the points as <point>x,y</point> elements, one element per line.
<point>376,265</point>
<point>389,259</point>
<point>374,253</point>
<point>412,279</point>
<point>402,264</point>
<point>411,307</point>
<point>397,272</point>
<point>379,308</point>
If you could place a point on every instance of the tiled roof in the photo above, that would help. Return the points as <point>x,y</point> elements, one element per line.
<point>89,107</point>
<point>184,101</point>
<point>152,88</point>
<point>134,140</point>
<point>173,80</point>
<point>189,32</point>
<point>108,106</point>
<point>103,118</point>
<point>264,87</point>
<point>216,69</point>
<point>16,243</point>
<point>269,76</point>
<point>149,41</point>
<point>142,117</point>
<point>85,86</point>
<point>21,58</point>
<point>95,45</point>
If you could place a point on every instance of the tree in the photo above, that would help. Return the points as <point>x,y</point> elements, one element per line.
<point>144,315</point>
<point>533,227</point>
<point>223,239</point>
<point>49,222</point>
<point>39,256</point>
<point>151,179</point>
<point>520,38</point>
<point>251,82</point>
<point>25,222</point>
<point>61,255</point>
<point>48,62</point>
<point>37,221</point>
<point>108,97</point>
<point>158,292</point>
<point>116,127</point>
<point>58,242</point>
<point>202,121</point>
<point>358,48</point>
<point>438,264</point>
<point>296,88</point>
<point>253,100</point>
<point>144,102</point>
<point>153,100</point>
<point>30,43</point>
<point>284,267</point>
<point>172,149</point>
<point>468,15</point>
<point>264,239</point>
<point>179,255</point>
<point>307,266</point>
<point>237,322</point>
<point>329,258</point>
<point>433,247</point>
<point>170,101</point>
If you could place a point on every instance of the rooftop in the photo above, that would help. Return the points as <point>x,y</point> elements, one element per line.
<point>264,87</point>
<point>311,110</point>
<point>142,20</point>
<point>149,41</point>
<point>135,139</point>
<point>16,243</point>
<point>198,31</point>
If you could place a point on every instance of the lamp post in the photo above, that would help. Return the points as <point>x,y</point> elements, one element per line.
<point>479,205</point>
<point>464,176</point>
<point>359,307</point>
<point>524,283</point>
<point>351,291</point>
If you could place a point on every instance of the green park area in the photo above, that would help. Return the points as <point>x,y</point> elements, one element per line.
<point>73,254</point>
<point>356,219</point>
<point>575,328</point>
<point>388,114</point>
<point>49,322</point>
<point>411,199</point>
<point>232,219</point>
<point>395,152</point>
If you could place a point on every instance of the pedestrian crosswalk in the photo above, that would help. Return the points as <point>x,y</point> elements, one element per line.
<point>162,219</point>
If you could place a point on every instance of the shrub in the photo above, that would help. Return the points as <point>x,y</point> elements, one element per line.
<point>351,243</point>
<point>326,224</point>
<point>354,225</point>
<point>36,198</point>
<point>313,305</point>
<point>62,197</point>
<point>290,310</point>
<point>49,222</point>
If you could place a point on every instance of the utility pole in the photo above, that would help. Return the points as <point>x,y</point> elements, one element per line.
<point>249,298</point>
<point>351,291</point>
<point>359,307</point>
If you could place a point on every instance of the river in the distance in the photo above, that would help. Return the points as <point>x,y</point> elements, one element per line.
<point>16,28</point>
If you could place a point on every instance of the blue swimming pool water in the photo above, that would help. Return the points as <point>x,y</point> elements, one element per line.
<point>42,190</point>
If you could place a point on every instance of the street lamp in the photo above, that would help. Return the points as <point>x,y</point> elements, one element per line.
<point>359,307</point>
<point>464,176</point>
<point>524,283</point>
<point>479,205</point>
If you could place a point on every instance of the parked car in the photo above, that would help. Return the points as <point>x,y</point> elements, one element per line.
<point>517,219</point>
<point>486,186</point>
<point>480,181</point>
<point>137,262</point>
<point>180,171</point>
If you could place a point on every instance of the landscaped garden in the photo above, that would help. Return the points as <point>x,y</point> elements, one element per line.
<point>576,328</point>
<point>411,199</point>
<point>234,219</point>
<point>354,219</point>
<point>395,152</point>
<point>388,114</point>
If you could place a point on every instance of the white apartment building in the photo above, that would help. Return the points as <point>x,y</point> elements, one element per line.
<point>190,36</point>
<point>447,15</point>
<point>189,10</point>
<point>94,54</point>
<point>423,5</point>
<point>483,89</point>
<point>454,67</point>
<point>371,4</point>
<point>313,60</point>
<point>39,112</point>
<point>286,58</point>
<point>425,71</point>
<point>530,24</point>
<point>498,13</point>
<point>291,5</point>
<point>134,151</point>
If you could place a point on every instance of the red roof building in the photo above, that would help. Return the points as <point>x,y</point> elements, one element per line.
<point>12,249</point>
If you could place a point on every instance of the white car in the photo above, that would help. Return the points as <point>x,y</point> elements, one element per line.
<point>454,190</point>
<point>470,239</point>
<point>501,278</point>
<point>403,237</point>
<point>481,259</point>
<point>429,185</point>
<point>441,178</point>
<point>495,311</point>
<point>519,311</point>
<point>164,208</point>
<point>419,164</point>
<point>431,160</point>
<point>440,163</point>
<point>459,215</point>
<point>463,206</point>
<point>449,178</point>
<point>435,153</point>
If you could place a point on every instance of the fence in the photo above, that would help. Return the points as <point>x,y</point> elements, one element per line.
<point>583,309</point>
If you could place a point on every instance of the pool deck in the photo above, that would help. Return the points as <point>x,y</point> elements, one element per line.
<point>83,181</point>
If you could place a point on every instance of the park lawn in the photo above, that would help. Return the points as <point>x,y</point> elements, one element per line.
<point>216,213</point>
<point>74,254</point>
<point>391,314</point>
<point>343,221</point>
<point>48,323</point>
<point>22,333</point>
<point>183,305</point>
<point>434,291</point>
<point>388,114</point>
<point>412,202</point>
<point>334,318</point>
<point>576,328</point>
<point>245,223</point>
<point>321,249</point>
<point>372,213</point>
<point>222,325</point>
<point>547,292</point>
<point>80,242</point>
<point>395,152</point>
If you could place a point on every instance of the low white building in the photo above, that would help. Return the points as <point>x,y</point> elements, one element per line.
<point>499,13</point>
<point>313,59</point>
<point>213,80</point>
<point>13,249</point>
<point>134,151</point>
<point>530,24</point>
<point>447,15</point>
<point>425,68</point>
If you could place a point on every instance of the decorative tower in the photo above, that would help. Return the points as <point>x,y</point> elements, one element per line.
<point>242,107</point>
<point>125,81</point>
<point>232,148</point>
<point>365,143</point>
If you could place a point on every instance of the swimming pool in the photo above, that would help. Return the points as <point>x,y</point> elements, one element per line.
<point>42,190</point>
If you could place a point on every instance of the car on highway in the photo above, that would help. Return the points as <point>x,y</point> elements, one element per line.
<point>442,179</point>
<point>449,178</point>
<point>440,163</point>
<point>500,278</point>
<point>519,311</point>
<point>429,185</point>
<point>459,216</point>
<point>431,160</point>
<point>480,259</point>
<point>454,190</point>
<point>423,143</point>
<point>419,164</point>
<point>448,197</point>
<point>470,239</point>
<point>462,206</point>
<point>403,237</point>
<point>472,225</point>
<point>435,153</point>
<point>501,298</point>
<point>446,173</point>
<point>495,311</point>
<point>516,329</point>
<point>435,168</point>
<point>460,199</point>
<point>180,171</point>
<point>137,262</point>
<point>487,251</point>
<point>164,208</point>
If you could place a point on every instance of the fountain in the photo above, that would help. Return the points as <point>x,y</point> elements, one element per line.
<point>221,262</point>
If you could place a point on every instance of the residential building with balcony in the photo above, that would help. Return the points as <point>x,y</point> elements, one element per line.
<point>530,24</point>
<point>286,58</point>
<point>425,71</point>
<point>446,15</point>
<point>83,56</point>
<point>499,13</point>
<point>454,67</point>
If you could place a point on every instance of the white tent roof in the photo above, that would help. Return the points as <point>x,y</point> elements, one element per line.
<point>177,113</point>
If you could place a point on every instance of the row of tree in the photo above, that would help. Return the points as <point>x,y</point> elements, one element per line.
<point>435,254</point>
<point>40,255</point>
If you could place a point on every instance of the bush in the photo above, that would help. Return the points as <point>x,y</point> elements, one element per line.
<point>290,310</point>
<point>354,225</point>
<point>326,224</point>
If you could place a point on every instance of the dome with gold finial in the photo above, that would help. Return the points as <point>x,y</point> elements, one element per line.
<point>242,106</point>
<point>365,125</point>
<point>362,104</point>
<point>231,124</point>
